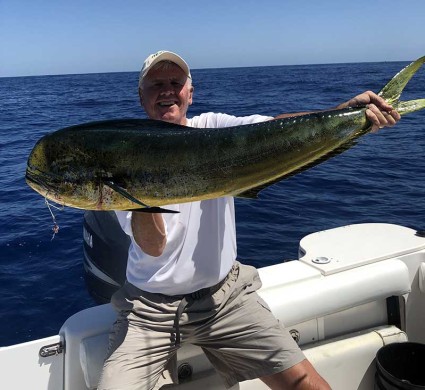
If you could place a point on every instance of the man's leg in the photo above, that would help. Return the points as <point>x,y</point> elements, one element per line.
<point>302,376</point>
<point>140,343</point>
<point>137,358</point>
<point>243,340</point>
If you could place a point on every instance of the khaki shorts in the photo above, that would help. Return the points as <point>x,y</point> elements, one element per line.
<point>233,326</point>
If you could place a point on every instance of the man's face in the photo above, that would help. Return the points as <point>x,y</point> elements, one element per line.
<point>166,94</point>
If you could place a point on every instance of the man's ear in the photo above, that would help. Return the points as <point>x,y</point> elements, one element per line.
<point>141,96</point>
<point>191,95</point>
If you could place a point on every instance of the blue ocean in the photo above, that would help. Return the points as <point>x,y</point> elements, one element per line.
<point>381,179</point>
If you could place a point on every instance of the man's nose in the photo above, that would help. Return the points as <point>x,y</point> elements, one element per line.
<point>166,92</point>
<point>167,89</point>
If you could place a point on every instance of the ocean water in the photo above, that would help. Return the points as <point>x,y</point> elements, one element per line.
<point>381,179</point>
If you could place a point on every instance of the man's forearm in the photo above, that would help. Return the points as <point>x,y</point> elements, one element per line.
<point>149,232</point>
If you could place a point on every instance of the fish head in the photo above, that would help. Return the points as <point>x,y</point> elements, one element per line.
<point>57,174</point>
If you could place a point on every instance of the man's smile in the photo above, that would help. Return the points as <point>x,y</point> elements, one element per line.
<point>167,103</point>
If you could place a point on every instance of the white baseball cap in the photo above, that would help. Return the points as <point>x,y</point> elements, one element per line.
<point>163,55</point>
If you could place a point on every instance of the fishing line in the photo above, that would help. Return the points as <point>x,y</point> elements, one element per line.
<point>55,227</point>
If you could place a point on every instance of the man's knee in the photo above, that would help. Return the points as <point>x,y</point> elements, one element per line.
<point>302,376</point>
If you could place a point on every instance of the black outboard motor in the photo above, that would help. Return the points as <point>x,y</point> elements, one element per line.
<point>105,254</point>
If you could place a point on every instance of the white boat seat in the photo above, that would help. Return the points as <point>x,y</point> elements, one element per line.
<point>297,299</point>
<point>92,354</point>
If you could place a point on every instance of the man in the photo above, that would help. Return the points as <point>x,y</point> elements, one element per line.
<point>184,283</point>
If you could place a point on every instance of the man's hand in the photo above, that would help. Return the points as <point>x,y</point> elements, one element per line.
<point>379,112</point>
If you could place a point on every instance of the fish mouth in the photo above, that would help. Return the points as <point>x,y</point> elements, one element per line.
<point>40,181</point>
<point>33,178</point>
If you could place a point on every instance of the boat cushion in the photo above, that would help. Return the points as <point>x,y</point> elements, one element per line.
<point>314,297</point>
<point>93,352</point>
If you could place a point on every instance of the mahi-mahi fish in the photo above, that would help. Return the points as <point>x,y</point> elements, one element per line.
<point>145,164</point>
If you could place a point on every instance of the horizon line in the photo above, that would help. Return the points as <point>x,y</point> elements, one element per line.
<point>208,68</point>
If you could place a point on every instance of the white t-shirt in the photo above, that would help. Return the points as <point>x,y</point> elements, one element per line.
<point>201,238</point>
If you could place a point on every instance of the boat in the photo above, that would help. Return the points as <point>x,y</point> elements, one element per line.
<point>353,290</point>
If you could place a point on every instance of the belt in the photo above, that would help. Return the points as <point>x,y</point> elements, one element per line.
<point>187,300</point>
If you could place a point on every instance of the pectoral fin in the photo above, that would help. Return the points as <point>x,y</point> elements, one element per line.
<point>153,210</point>
<point>145,208</point>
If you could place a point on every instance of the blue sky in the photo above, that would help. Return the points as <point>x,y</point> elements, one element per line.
<point>40,37</point>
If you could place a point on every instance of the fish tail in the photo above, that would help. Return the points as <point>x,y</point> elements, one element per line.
<point>410,106</point>
<point>393,89</point>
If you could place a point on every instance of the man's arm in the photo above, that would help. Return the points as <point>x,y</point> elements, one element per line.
<point>379,112</point>
<point>149,232</point>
